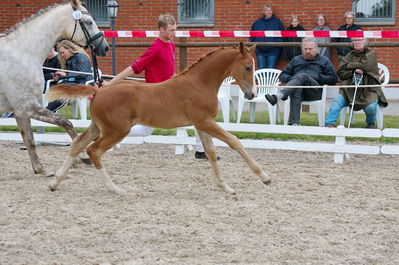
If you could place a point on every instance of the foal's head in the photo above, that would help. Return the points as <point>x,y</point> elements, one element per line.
<point>83,30</point>
<point>243,70</point>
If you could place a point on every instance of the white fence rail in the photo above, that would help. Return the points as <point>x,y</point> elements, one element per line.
<point>339,148</point>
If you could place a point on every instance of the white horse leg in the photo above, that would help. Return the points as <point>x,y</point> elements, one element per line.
<point>210,151</point>
<point>109,184</point>
<point>27,135</point>
<point>42,114</point>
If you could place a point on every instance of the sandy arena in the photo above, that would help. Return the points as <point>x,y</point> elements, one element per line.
<point>314,212</point>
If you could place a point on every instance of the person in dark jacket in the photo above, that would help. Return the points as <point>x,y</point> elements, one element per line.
<point>292,51</point>
<point>308,69</point>
<point>267,57</point>
<point>349,26</point>
<point>51,62</point>
<point>361,61</point>
<point>71,57</point>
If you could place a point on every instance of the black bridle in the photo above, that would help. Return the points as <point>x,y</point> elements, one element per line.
<point>89,42</point>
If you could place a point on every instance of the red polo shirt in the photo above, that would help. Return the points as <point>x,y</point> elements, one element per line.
<point>158,62</point>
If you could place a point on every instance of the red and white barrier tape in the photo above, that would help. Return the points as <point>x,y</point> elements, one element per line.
<point>247,34</point>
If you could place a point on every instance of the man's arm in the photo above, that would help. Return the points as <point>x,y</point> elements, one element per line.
<point>288,72</point>
<point>121,76</point>
<point>329,76</point>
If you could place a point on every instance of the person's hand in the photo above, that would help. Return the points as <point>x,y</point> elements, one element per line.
<point>359,71</point>
<point>104,83</point>
<point>56,77</point>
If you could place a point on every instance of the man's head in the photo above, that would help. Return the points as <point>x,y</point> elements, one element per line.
<point>267,10</point>
<point>167,27</point>
<point>309,48</point>
<point>359,43</point>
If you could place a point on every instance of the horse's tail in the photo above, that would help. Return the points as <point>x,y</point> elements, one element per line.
<point>69,92</point>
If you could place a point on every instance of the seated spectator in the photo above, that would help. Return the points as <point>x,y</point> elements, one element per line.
<point>267,57</point>
<point>51,62</point>
<point>349,26</point>
<point>71,57</point>
<point>361,60</point>
<point>292,51</point>
<point>321,22</point>
<point>308,69</point>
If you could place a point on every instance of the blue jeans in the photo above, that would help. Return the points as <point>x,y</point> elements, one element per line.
<point>339,102</point>
<point>267,61</point>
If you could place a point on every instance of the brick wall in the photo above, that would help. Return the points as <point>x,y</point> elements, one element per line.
<point>229,15</point>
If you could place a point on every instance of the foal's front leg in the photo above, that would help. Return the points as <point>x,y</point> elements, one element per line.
<point>213,129</point>
<point>210,151</point>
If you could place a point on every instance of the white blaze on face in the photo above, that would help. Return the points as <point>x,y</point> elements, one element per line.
<point>254,85</point>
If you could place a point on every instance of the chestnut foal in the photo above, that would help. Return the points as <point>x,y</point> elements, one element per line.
<point>189,98</point>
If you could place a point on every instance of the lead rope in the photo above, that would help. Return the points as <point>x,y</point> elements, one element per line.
<point>97,77</point>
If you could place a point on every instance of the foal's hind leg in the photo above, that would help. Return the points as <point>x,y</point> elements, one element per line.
<point>78,145</point>
<point>210,151</point>
<point>96,151</point>
<point>27,135</point>
<point>213,129</point>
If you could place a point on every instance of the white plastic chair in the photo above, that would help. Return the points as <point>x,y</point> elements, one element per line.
<point>319,104</point>
<point>267,83</point>
<point>384,79</point>
<point>225,99</point>
<point>80,104</point>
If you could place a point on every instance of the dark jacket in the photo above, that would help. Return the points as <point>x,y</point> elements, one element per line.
<point>292,51</point>
<point>52,63</point>
<point>263,24</point>
<point>345,50</point>
<point>365,60</point>
<point>320,69</point>
<point>78,62</point>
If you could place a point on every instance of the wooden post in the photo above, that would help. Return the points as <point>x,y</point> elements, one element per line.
<point>183,54</point>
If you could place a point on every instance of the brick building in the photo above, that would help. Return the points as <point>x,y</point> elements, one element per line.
<point>223,15</point>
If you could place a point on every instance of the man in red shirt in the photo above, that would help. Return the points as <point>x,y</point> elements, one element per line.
<point>158,63</point>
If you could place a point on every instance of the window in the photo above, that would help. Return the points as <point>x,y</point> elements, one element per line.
<point>193,13</point>
<point>374,11</point>
<point>98,9</point>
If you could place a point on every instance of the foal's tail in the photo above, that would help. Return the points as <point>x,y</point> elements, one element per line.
<point>69,92</point>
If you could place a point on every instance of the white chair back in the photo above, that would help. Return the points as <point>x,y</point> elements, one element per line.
<point>384,74</point>
<point>224,89</point>
<point>265,78</point>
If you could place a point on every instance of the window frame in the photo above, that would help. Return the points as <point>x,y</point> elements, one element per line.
<point>190,22</point>
<point>100,22</point>
<point>375,21</point>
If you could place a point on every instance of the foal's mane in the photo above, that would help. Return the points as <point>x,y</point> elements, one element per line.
<point>201,59</point>
<point>32,17</point>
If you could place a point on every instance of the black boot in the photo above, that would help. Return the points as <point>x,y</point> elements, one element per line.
<point>202,155</point>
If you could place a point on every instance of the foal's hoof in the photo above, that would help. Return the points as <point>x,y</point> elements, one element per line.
<point>267,182</point>
<point>228,190</point>
<point>52,186</point>
<point>48,174</point>
<point>265,178</point>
